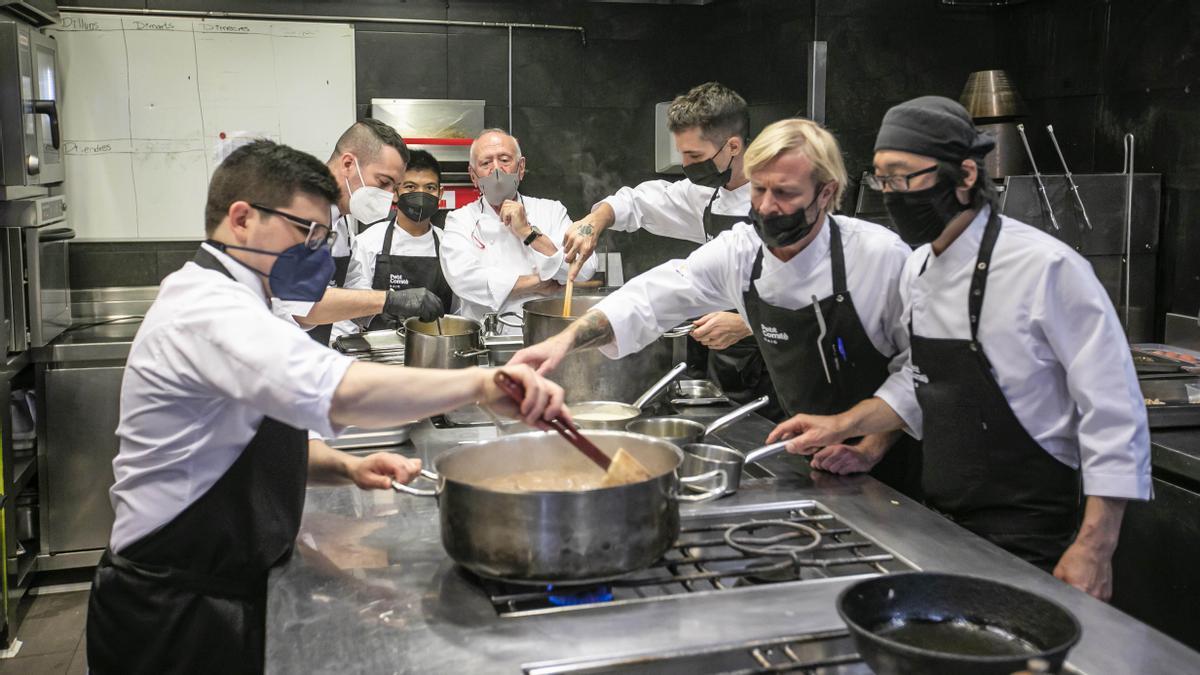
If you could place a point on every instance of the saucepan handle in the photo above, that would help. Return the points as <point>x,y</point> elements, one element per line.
<point>466,354</point>
<point>680,331</point>
<point>418,492</point>
<point>766,451</point>
<point>520,319</point>
<point>704,495</point>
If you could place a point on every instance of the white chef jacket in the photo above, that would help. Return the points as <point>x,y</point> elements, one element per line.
<point>673,209</point>
<point>715,276</point>
<point>369,244</point>
<point>481,259</point>
<point>342,247</point>
<point>208,363</point>
<point>1055,346</point>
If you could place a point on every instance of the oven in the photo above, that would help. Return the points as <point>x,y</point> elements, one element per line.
<point>34,239</point>
<point>30,143</point>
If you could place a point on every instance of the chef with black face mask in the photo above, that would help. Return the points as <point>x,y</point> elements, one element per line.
<point>401,254</point>
<point>1019,379</point>
<point>820,292</point>
<point>210,476</point>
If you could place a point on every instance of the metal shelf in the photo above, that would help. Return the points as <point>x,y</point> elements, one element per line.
<point>23,471</point>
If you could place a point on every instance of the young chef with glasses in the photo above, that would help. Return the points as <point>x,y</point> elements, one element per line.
<point>1020,380</point>
<point>217,391</point>
<point>819,291</point>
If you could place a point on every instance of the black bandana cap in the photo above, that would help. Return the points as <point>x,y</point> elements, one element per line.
<point>933,126</point>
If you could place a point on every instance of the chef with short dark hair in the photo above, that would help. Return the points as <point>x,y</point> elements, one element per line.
<point>217,392</point>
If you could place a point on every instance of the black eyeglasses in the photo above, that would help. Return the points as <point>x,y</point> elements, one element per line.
<point>895,183</point>
<point>316,234</point>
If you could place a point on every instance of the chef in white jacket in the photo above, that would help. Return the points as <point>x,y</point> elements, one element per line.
<point>504,248</point>
<point>710,125</point>
<point>821,355</point>
<point>1019,377</point>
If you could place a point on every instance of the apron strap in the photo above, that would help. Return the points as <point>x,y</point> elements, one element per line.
<point>980,274</point>
<point>209,261</point>
<point>755,273</point>
<point>387,238</point>
<point>837,258</point>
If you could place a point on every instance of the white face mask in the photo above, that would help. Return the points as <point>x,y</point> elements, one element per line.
<point>368,204</point>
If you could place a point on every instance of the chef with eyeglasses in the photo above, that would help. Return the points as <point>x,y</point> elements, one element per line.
<point>216,395</point>
<point>819,291</point>
<point>1019,379</point>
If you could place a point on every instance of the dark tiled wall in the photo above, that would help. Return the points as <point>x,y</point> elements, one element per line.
<point>1097,69</point>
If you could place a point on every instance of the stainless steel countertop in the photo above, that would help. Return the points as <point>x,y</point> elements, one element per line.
<point>1177,451</point>
<point>371,590</point>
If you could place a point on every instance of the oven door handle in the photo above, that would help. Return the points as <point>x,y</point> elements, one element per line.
<point>49,108</point>
<point>55,234</point>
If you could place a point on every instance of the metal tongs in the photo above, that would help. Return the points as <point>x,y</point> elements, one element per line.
<point>1070,178</point>
<point>1038,176</point>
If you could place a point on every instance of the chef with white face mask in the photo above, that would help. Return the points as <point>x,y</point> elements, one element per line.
<point>504,248</point>
<point>368,163</point>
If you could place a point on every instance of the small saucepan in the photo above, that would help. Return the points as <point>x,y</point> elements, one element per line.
<point>700,459</point>
<point>934,624</point>
<point>614,415</point>
<point>682,431</point>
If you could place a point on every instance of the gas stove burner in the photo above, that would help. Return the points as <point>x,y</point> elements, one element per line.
<point>575,595</point>
<point>771,544</point>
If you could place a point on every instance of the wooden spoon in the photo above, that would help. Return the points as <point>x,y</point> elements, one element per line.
<point>567,298</point>
<point>621,469</point>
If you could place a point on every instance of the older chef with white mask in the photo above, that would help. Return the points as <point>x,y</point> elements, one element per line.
<point>504,248</point>
<point>794,252</point>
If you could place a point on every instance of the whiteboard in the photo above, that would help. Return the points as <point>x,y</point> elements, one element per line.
<point>145,102</point>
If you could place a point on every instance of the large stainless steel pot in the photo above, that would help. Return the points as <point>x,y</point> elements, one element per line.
<point>556,537</point>
<point>588,375</point>
<point>458,344</point>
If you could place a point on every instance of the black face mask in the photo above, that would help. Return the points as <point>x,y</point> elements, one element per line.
<point>921,216</point>
<point>418,206</point>
<point>707,174</point>
<point>787,229</point>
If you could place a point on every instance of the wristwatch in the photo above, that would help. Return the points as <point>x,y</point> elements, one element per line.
<point>534,233</point>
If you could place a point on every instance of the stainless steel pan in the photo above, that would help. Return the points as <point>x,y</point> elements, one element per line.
<point>702,459</point>
<point>682,431</point>
<point>614,415</point>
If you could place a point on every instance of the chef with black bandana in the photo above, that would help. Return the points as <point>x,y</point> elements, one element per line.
<point>402,254</point>
<point>820,291</point>
<point>1019,380</point>
<point>709,124</point>
<point>211,472</point>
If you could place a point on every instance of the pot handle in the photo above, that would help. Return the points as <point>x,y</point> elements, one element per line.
<point>657,387</point>
<point>765,451</point>
<point>680,331</point>
<point>704,495</point>
<point>737,414</point>
<point>469,353</point>
<point>417,492</point>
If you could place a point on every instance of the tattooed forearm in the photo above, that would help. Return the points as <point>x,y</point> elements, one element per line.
<point>591,330</point>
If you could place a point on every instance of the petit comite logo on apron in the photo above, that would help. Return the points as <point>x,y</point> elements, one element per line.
<point>772,334</point>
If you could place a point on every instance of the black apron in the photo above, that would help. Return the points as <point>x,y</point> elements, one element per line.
<point>401,272</point>
<point>739,368</point>
<point>191,596</point>
<point>341,264</point>
<point>787,339</point>
<point>982,468</point>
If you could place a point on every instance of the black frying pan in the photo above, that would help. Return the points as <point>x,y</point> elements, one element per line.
<point>925,622</point>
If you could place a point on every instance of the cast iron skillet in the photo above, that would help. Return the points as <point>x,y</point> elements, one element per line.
<point>925,622</point>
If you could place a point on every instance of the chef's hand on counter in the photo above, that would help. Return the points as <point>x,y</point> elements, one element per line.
<point>1087,562</point>
<point>543,398</point>
<point>580,241</point>
<point>719,330</point>
<point>419,302</point>
<point>377,471</point>
<point>812,432</point>
<point>843,458</point>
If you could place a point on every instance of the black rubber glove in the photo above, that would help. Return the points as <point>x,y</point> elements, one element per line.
<point>418,302</point>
